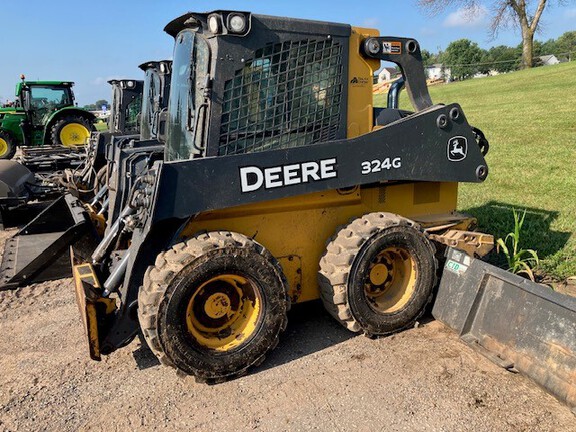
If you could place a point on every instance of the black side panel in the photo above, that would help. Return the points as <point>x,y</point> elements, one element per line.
<point>412,149</point>
<point>129,163</point>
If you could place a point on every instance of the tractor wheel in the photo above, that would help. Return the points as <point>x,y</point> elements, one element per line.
<point>7,146</point>
<point>71,131</point>
<point>214,305</point>
<point>377,274</point>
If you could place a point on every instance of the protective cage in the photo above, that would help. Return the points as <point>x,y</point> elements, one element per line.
<point>284,86</point>
<point>288,95</point>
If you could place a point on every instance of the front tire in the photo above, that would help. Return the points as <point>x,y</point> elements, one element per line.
<point>7,145</point>
<point>213,305</point>
<point>71,131</point>
<point>378,273</point>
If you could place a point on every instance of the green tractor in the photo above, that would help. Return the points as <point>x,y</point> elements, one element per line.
<point>44,114</point>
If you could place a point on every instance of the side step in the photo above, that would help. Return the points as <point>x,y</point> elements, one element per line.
<point>520,325</point>
<point>40,250</point>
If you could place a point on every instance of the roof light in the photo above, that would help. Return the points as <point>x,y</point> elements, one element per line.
<point>214,24</point>
<point>236,23</point>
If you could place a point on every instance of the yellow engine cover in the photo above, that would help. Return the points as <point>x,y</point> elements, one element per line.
<point>296,230</point>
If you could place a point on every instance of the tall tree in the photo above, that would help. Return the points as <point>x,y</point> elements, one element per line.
<point>503,58</point>
<point>566,45</point>
<point>462,57</point>
<point>525,14</point>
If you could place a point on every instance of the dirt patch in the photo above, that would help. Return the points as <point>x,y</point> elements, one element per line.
<point>321,377</point>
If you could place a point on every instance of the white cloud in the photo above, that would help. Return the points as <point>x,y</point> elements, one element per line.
<point>570,13</point>
<point>467,17</point>
<point>100,81</point>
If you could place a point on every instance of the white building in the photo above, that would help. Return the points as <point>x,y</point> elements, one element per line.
<point>388,74</point>
<point>548,60</point>
<point>437,71</point>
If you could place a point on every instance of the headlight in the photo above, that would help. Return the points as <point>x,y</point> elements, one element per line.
<point>214,24</point>
<point>236,23</point>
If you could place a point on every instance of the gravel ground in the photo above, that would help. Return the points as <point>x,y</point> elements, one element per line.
<point>320,377</point>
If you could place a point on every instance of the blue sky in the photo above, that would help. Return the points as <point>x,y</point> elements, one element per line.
<point>82,42</point>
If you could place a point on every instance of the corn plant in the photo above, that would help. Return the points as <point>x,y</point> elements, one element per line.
<point>520,261</point>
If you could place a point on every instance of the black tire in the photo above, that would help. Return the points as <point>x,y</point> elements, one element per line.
<point>378,274</point>
<point>55,133</point>
<point>174,305</point>
<point>7,145</point>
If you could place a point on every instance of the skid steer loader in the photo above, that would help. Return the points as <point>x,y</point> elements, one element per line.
<point>127,158</point>
<point>124,121</point>
<point>40,250</point>
<point>280,183</point>
<point>46,172</point>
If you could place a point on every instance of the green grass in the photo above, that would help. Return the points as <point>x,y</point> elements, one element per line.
<point>529,117</point>
<point>101,126</point>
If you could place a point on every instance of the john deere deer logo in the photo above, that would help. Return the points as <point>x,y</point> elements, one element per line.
<point>457,148</point>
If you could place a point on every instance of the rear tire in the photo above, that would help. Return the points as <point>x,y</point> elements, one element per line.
<point>213,305</point>
<point>71,131</point>
<point>7,145</point>
<point>378,273</point>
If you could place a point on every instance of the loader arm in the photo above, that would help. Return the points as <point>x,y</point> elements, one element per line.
<point>416,148</point>
<point>406,54</point>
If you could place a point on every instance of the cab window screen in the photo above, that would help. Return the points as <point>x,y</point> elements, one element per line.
<point>288,95</point>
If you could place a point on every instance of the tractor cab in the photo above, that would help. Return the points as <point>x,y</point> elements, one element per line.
<point>45,115</point>
<point>41,98</point>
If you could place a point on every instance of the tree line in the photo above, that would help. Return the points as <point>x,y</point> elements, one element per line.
<point>97,106</point>
<point>465,58</point>
<point>522,14</point>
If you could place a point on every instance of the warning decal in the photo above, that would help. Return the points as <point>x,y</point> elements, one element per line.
<point>392,47</point>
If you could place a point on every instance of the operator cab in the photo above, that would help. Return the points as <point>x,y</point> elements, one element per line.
<point>42,98</point>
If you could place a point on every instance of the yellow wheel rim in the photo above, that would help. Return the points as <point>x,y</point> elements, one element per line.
<point>3,147</point>
<point>391,280</point>
<point>223,312</point>
<point>74,134</point>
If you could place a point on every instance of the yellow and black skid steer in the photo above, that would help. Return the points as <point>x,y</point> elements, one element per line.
<point>281,183</point>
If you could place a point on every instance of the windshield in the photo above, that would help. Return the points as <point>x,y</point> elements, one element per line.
<point>132,114</point>
<point>49,97</point>
<point>150,102</point>
<point>190,69</point>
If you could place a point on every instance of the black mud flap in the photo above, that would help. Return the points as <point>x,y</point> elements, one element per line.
<point>520,325</point>
<point>40,250</point>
